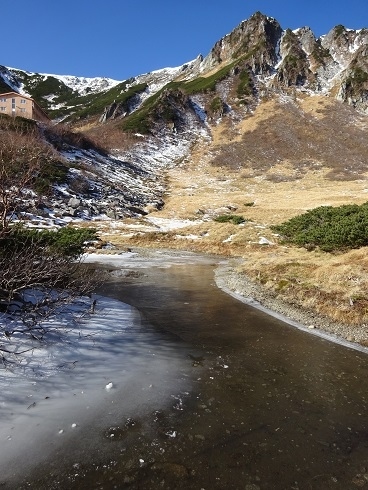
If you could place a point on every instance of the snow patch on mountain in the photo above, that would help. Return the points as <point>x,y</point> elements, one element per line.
<point>157,79</point>
<point>84,85</point>
<point>81,85</point>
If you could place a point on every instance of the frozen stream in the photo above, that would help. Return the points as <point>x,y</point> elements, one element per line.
<point>208,393</point>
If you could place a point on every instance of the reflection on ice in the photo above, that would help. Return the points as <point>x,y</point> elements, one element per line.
<point>109,367</point>
<point>160,258</point>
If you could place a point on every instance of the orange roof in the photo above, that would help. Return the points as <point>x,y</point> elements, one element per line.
<point>16,93</point>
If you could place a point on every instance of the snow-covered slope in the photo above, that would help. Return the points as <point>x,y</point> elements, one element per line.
<point>83,85</point>
<point>78,84</point>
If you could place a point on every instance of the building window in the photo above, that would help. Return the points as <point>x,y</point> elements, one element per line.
<point>2,109</point>
<point>23,101</point>
<point>3,99</point>
<point>22,110</point>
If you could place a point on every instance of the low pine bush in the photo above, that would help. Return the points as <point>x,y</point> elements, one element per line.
<point>230,218</point>
<point>328,228</point>
<point>66,242</point>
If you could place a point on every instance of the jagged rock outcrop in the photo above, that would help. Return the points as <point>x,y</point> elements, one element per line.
<point>121,109</point>
<point>257,39</point>
<point>294,69</point>
<point>175,111</point>
<point>354,85</point>
<point>348,65</point>
<point>335,64</point>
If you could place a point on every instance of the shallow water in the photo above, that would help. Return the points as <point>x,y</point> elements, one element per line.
<point>258,404</point>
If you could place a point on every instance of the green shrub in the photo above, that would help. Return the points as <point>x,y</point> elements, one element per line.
<point>137,122</point>
<point>207,84</point>
<point>230,218</point>
<point>51,172</point>
<point>45,262</point>
<point>245,85</point>
<point>70,241</point>
<point>359,76</point>
<point>216,105</point>
<point>338,30</point>
<point>66,242</point>
<point>320,53</point>
<point>19,124</point>
<point>328,228</point>
<point>356,82</point>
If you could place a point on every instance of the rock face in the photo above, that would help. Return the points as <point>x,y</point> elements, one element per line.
<point>257,39</point>
<point>334,64</point>
<point>120,109</point>
<point>347,65</point>
<point>294,70</point>
<point>8,82</point>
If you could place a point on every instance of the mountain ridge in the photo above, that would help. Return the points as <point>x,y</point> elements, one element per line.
<point>333,64</point>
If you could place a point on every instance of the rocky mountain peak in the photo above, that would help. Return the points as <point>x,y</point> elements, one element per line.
<point>256,38</point>
<point>343,43</point>
<point>307,39</point>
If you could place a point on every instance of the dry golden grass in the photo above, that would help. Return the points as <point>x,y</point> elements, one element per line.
<point>332,285</point>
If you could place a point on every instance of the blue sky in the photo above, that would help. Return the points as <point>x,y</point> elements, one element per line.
<point>121,38</point>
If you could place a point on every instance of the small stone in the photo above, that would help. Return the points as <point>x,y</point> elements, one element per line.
<point>359,481</point>
<point>200,437</point>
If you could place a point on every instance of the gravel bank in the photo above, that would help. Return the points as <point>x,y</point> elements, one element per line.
<point>240,286</point>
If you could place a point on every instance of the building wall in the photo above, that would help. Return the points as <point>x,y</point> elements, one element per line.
<point>38,114</point>
<point>14,104</point>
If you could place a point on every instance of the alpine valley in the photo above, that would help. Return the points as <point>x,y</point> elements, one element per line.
<point>210,155</point>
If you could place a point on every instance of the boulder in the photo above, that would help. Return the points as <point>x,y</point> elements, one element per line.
<point>74,202</point>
